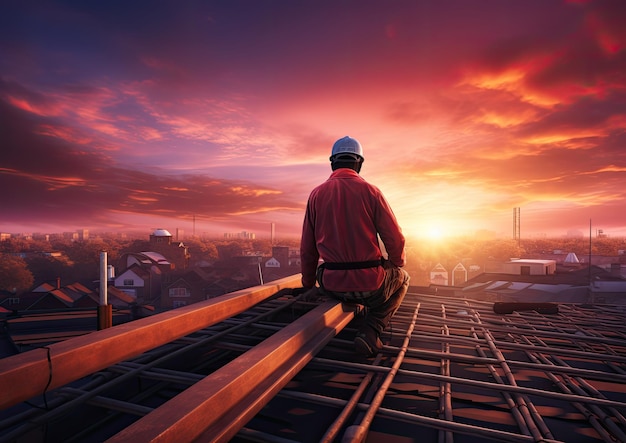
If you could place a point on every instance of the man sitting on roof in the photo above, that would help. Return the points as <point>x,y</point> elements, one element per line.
<point>344,218</point>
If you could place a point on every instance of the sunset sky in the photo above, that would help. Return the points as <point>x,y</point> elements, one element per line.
<point>119,115</point>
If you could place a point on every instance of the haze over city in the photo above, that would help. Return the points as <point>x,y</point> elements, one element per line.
<point>220,116</point>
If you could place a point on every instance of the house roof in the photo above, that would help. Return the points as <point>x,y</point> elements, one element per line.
<point>137,270</point>
<point>79,287</point>
<point>533,261</point>
<point>44,287</point>
<point>575,277</point>
<point>112,291</point>
<point>146,258</point>
<point>451,369</point>
<point>156,257</point>
<point>566,285</point>
<point>66,297</point>
<point>161,233</point>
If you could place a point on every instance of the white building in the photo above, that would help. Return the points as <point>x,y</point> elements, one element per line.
<point>529,267</point>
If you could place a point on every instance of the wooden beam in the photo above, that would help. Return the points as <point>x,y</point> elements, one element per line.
<point>35,372</point>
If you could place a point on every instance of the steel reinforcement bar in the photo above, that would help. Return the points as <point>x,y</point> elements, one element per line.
<point>217,407</point>
<point>35,372</point>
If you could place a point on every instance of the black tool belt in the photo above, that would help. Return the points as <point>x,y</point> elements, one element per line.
<point>342,266</point>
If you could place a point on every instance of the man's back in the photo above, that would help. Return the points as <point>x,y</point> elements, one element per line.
<point>344,216</point>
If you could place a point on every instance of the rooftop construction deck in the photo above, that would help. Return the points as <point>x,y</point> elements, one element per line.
<point>260,365</point>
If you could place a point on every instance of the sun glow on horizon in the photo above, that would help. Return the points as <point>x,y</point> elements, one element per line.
<point>434,233</point>
<point>431,231</point>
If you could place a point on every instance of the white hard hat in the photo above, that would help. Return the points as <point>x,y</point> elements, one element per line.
<point>347,145</point>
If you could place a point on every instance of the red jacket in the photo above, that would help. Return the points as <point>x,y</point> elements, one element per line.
<point>343,217</point>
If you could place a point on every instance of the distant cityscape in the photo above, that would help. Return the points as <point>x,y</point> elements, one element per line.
<point>84,234</point>
<point>160,271</point>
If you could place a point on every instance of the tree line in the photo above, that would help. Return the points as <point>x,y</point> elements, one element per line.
<point>79,260</point>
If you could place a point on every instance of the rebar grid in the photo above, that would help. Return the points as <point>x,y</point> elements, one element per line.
<point>451,370</point>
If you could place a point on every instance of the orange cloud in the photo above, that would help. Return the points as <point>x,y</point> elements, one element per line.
<point>253,192</point>
<point>41,109</point>
<point>70,135</point>
<point>53,182</point>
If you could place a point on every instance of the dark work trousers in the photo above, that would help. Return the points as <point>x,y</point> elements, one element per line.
<point>383,302</point>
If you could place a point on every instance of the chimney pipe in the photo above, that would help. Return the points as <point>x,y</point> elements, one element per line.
<point>103,279</point>
<point>105,310</point>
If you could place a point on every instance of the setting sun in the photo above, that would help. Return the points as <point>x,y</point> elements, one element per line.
<point>430,230</point>
<point>434,233</point>
<point>443,227</point>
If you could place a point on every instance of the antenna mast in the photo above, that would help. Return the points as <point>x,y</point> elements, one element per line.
<point>516,225</point>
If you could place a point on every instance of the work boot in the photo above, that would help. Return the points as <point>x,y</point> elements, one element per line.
<point>367,342</point>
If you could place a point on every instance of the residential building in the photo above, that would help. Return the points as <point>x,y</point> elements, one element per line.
<point>141,282</point>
